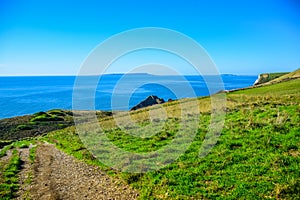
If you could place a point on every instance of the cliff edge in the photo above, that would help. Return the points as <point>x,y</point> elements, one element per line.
<point>271,78</point>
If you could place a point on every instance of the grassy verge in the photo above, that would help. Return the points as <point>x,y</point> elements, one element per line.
<point>4,150</point>
<point>32,154</point>
<point>10,185</point>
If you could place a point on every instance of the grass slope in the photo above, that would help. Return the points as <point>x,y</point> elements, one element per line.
<point>28,126</point>
<point>266,79</point>
<point>257,155</point>
<point>286,77</point>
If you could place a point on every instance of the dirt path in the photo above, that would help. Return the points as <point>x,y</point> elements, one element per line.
<point>24,175</point>
<point>60,176</point>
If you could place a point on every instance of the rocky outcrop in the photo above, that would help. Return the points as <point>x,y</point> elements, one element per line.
<point>262,78</point>
<point>149,101</point>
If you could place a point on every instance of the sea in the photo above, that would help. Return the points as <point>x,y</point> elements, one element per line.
<point>30,94</point>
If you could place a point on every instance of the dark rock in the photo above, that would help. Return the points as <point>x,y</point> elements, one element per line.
<point>222,91</point>
<point>149,101</point>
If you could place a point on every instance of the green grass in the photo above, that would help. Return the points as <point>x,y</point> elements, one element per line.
<point>276,75</point>
<point>23,143</point>
<point>32,154</point>
<point>45,117</point>
<point>257,155</point>
<point>9,183</point>
<point>284,88</point>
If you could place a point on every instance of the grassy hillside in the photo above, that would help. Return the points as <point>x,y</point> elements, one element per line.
<point>40,123</point>
<point>33,125</point>
<point>286,77</point>
<point>257,155</point>
<point>264,78</point>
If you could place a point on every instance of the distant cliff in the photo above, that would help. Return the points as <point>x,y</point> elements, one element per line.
<point>264,78</point>
<point>271,78</point>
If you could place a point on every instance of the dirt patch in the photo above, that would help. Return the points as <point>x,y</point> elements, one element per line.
<point>7,156</point>
<point>60,176</point>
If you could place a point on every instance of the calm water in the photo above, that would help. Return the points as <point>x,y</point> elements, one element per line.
<point>27,95</point>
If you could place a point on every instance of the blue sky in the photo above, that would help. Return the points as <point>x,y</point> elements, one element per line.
<point>242,37</point>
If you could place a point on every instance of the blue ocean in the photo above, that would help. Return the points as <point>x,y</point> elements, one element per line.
<point>27,95</point>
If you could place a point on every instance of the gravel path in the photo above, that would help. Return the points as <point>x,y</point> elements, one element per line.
<point>60,176</point>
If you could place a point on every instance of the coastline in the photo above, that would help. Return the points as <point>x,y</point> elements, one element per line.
<point>28,95</point>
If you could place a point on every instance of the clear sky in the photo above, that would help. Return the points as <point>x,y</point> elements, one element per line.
<point>53,37</point>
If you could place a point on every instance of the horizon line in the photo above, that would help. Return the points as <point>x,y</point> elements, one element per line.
<point>52,75</point>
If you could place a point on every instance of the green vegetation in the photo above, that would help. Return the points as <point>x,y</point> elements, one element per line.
<point>9,182</point>
<point>22,143</point>
<point>287,77</point>
<point>26,127</point>
<point>44,117</point>
<point>4,150</point>
<point>257,155</point>
<point>33,125</point>
<point>289,89</point>
<point>32,154</point>
<point>266,79</point>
